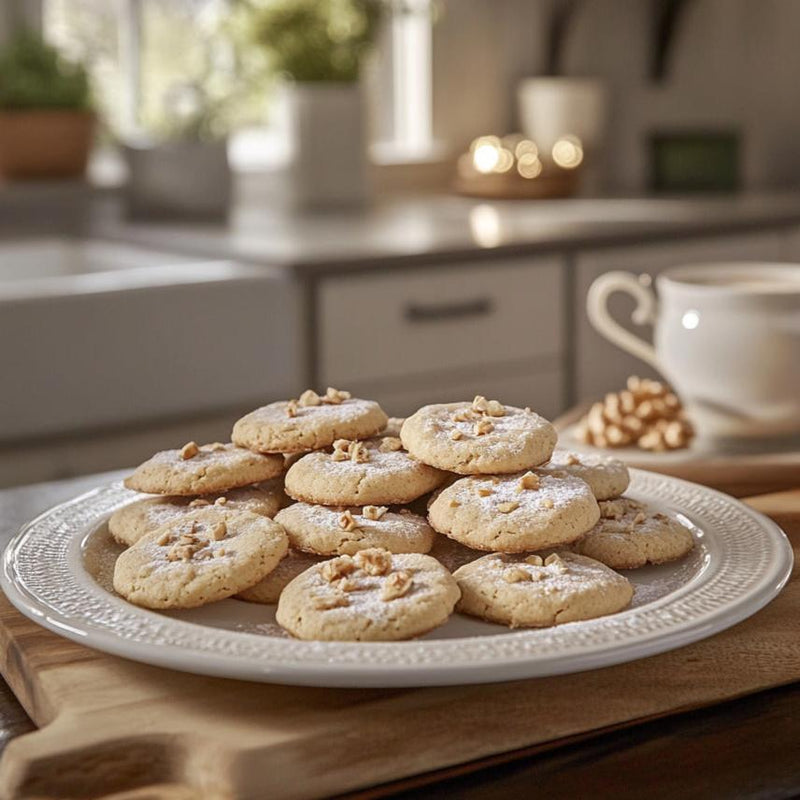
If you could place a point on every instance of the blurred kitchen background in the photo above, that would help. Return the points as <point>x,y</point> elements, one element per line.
<point>206,205</point>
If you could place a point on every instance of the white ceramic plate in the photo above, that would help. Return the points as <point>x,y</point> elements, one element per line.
<point>57,568</point>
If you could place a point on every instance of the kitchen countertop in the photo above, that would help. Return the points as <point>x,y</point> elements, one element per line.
<point>440,228</point>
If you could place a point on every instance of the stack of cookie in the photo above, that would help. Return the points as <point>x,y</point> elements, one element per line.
<point>354,556</point>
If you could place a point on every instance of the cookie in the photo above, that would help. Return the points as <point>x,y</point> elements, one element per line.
<point>452,554</point>
<point>268,590</point>
<point>338,531</point>
<point>373,472</point>
<point>310,423</point>
<point>130,523</point>
<point>372,596</point>
<point>540,590</point>
<point>209,469</point>
<point>200,558</point>
<point>478,438</point>
<point>607,477</point>
<point>514,513</point>
<point>630,535</point>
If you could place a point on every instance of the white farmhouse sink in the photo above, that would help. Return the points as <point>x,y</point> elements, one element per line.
<point>96,335</point>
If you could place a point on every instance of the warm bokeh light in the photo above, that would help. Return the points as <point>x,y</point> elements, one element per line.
<point>485,157</point>
<point>568,152</point>
<point>526,147</point>
<point>529,165</point>
<point>505,160</point>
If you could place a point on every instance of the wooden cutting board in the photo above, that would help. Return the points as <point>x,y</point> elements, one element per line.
<point>114,728</point>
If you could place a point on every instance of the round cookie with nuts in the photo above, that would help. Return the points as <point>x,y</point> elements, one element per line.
<point>309,423</point>
<point>202,557</point>
<point>607,477</point>
<point>540,590</point>
<point>268,590</point>
<point>130,523</point>
<point>373,472</point>
<point>482,437</point>
<point>372,596</point>
<point>329,531</point>
<point>205,469</point>
<point>515,513</point>
<point>630,535</point>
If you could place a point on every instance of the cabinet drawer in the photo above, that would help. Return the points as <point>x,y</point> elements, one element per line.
<point>412,323</point>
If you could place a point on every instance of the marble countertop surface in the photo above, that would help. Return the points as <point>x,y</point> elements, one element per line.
<point>440,228</point>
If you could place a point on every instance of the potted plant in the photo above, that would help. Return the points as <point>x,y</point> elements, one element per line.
<point>552,105</point>
<point>46,118</point>
<point>319,47</point>
<point>181,170</point>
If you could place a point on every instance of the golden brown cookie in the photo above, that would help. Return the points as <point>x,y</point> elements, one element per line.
<point>209,469</point>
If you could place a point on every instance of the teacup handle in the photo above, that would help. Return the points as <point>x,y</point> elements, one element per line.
<point>644,313</point>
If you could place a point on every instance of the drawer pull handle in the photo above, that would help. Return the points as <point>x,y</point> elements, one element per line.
<point>480,307</point>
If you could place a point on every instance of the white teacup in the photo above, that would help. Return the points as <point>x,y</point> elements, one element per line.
<point>727,337</point>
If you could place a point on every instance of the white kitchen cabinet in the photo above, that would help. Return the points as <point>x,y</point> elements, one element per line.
<point>495,327</point>
<point>602,367</point>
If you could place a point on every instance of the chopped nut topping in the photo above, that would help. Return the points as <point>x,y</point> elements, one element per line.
<point>219,531</point>
<point>390,444</point>
<point>456,434</point>
<point>527,409</point>
<point>507,508</point>
<point>291,408</point>
<point>530,480</point>
<point>335,396</point>
<point>396,585</point>
<point>516,575</point>
<point>325,602</point>
<point>189,450</point>
<point>465,415</point>
<point>554,560</point>
<point>347,585</point>
<point>495,409</point>
<point>485,491</point>
<point>186,538</point>
<point>337,568</point>
<point>483,426</point>
<point>347,521</point>
<point>341,450</point>
<point>374,561</point>
<point>535,561</point>
<point>214,447</point>
<point>373,512</point>
<point>199,502</point>
<point>454,503</point>
<point>639,518</point>
<point>548,503</point>
<point>359,452</point>
<point>309,398</point>
<point>571,460</point>
<point>219,552</point>
<point>221,501</point>
<point>164,539</point>
<point>480,404</point>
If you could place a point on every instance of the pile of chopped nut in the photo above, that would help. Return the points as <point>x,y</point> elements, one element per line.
<point>646,414</point>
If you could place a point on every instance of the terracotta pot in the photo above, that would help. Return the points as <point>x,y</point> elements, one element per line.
<point>45,144</point>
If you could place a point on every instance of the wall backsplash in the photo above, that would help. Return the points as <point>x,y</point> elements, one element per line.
<point>734,64</point>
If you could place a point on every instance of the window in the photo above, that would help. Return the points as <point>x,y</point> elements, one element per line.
<point>142,53</point>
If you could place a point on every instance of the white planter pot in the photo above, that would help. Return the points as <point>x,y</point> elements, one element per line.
<point>550,108</point>
<point>179,179</point>
<point>328,148</point>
